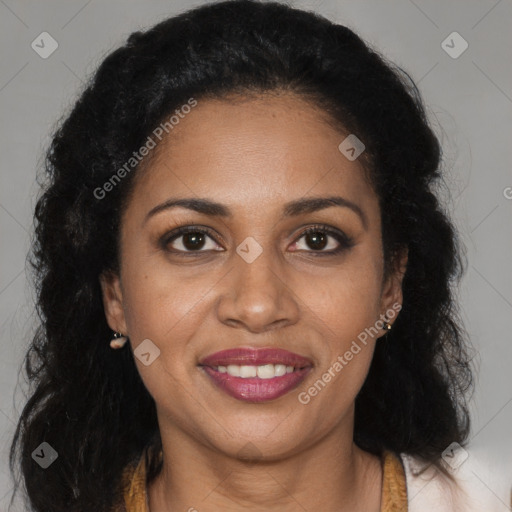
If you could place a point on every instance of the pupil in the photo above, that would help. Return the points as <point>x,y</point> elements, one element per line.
<point>193,240</point>
<point>316,240</point>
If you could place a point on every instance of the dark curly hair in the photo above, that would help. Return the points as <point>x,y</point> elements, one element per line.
<point>87,401</point>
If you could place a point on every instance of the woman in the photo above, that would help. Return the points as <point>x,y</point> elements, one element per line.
<point>242,204</point>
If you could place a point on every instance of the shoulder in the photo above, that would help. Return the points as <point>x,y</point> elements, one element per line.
<point>473,489</point>
<point>131,491</point>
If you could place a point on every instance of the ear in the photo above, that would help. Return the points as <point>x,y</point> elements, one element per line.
<point>113,301</point>
<point>392,289</point>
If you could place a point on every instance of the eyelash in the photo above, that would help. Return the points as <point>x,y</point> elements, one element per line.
<point>345,242</point>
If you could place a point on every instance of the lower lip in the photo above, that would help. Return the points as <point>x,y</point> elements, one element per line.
<point>254,389</point>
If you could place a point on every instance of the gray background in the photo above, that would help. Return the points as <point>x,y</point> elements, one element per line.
<point>470,104</point>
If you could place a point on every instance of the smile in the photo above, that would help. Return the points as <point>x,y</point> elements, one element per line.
<point>273,372</point>
<point>266,371</point>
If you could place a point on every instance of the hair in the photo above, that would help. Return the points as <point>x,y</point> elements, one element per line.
<point>88,401</point>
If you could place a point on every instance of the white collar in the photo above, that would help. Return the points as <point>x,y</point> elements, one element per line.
<point>474,490</point>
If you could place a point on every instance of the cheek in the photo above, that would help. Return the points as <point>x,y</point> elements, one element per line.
<point>165,307</point>
<point>347,307</point>
<point>348,300</point>
<point>161,303</point>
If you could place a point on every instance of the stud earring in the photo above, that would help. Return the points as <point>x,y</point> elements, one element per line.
<point>386,325</point>
<point>118,341</point>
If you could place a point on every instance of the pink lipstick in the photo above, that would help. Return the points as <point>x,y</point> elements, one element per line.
<point>256,375</point>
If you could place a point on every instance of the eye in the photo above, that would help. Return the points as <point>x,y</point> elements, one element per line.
<point>190,239</point>
<point>323,241</point>
<point>318,240</point>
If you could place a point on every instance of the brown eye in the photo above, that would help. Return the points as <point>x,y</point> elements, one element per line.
<point>323,241</point>
<point>190,239</point>
<point>193,241</point>
<point>316,240</point>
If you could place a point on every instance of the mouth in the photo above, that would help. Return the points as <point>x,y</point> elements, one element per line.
<point>256,375</point>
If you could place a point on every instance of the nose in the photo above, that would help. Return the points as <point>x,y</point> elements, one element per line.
<point>257,296</point>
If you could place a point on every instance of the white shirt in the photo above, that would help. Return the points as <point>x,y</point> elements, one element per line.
<point>477,488</point>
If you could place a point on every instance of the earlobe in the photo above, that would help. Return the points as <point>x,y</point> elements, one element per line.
<point>113,301</point>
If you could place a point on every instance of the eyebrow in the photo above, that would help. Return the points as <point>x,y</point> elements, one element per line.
<point>291,209</point>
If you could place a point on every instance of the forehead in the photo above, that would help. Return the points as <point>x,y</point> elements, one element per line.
<point>253,151</point>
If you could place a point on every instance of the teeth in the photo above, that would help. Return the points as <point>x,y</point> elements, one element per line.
<point>266,371</point>
<point>234,370</point>
<point>280,369</point>
<point>248,371</point>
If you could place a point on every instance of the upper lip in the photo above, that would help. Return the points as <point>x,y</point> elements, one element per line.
<point>256,357</point>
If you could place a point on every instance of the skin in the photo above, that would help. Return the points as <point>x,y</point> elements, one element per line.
<point>220,453</point>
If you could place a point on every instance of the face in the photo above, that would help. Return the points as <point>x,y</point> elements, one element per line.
<point>262,266</point>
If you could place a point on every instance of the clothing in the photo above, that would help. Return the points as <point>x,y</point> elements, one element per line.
<point>480,486</point>
<point>393,497</point>
<point>407,486</point>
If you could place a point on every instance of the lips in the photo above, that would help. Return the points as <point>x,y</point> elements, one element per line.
<point>256,357</point>
<point>256,375</point>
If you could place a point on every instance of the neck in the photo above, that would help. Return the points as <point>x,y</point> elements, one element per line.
<point>328,476</point>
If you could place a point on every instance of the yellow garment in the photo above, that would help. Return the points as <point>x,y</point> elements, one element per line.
<point>393,498</point>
